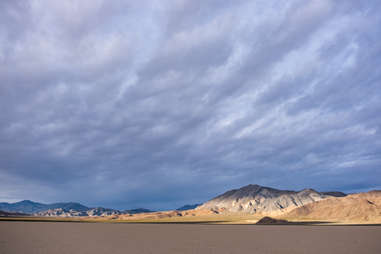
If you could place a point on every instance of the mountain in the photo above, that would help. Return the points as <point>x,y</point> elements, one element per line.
<point>360,207</point>
<point>92,212</point>
<point>100,211</point>
<point>25,206</point>
<point>187,207</point>
<point>8,214</point>
<point>68,209</point>
<point>137,210</point>
<point>69,206</point>
<point>60,212</point>
<point>30,207</point>
<point>256,199</point>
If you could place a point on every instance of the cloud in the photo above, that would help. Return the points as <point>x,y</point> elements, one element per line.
<point>155,104</point>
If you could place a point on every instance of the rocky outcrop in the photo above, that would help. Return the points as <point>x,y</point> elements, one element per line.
<point>256,199</point>
<point>271,221</point>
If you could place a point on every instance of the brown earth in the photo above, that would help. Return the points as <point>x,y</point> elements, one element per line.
<point>118,238</point>
<point>355,208</point>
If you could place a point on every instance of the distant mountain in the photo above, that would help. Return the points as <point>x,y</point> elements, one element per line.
<point>100,211</point>
<point>69,206</point>
<point>188,207</point>
<point>92,212</point>
<point>30,207</point>
<point>360,207</point>
<point>60,212</point>
<point>8,214</point>
<point>138,210</point>
<point>262,200</point>
<point>68,209</point>
<point>25,206</point>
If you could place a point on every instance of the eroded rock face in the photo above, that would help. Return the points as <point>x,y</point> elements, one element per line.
<point>255,199</point>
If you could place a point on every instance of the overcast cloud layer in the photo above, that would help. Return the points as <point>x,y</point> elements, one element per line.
<point>160,103</point>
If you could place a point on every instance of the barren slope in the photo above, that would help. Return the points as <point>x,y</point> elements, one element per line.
<point>361,207</point>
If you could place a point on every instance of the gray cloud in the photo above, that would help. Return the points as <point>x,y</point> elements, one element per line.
<point>156,104</point>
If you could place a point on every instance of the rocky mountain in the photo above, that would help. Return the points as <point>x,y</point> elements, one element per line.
<point>187,207</point>
<point>256,199</point>
<point>360,207</point>
<point>30,207</point>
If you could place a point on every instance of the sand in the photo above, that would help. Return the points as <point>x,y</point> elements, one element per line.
<point>81,238</point>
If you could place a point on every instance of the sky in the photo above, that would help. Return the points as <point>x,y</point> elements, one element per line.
<point>158,104</point>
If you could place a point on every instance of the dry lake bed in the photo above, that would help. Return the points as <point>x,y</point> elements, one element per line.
<point>67,237</point>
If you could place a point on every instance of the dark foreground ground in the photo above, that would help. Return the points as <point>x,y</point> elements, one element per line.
<point>93,238</point>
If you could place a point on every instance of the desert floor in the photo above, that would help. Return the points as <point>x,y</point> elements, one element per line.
<point>70,237</point>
